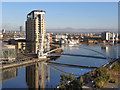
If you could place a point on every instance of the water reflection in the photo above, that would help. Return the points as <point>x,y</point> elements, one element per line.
<point>110,50</point>
<point>9,74</point>
<point>37,75</point>
<point>70,47</point>
<point>68,70</point>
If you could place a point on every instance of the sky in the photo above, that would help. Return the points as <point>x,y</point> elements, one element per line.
<point>64,16</point>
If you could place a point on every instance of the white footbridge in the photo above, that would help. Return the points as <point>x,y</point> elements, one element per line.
<point>45,54</point>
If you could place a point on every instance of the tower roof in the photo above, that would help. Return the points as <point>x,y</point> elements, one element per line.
<point>36,11</point>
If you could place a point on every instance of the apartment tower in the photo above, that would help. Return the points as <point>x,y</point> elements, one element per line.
<point>35,31</point>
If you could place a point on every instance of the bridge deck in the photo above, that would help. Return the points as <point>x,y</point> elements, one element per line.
<point>98,57</point>
<point>70,65</point>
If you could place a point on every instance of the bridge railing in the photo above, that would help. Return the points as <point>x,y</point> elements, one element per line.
<point>45,54</point>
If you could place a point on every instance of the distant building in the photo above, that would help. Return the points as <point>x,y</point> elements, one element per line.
<point>107,35</point>
<point>59,36</point>
<point>35,31</point>
<point>21,29</point>
<point>110,37</point>
<point>3,31</point>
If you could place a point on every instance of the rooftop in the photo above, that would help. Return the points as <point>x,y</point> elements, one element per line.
<point>36,11</point>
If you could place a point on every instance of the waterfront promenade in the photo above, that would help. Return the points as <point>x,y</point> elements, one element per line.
<point>25,59</point>
<point>23,63</point>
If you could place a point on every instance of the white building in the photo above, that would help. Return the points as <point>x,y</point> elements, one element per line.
<point>3,30</point>
<point>59,36</point>
<point>107,35</point>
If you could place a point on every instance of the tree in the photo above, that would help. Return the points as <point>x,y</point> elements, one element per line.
<point>63,79</point>
<point>86,78</point>
<point>70,76</point>
<point>73,84</point>
<point>81,80</point>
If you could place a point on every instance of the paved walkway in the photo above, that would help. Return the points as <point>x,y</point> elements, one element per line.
<point>22,63</point>
<point>110,85</point>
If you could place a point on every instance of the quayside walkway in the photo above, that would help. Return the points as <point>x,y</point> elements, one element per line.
<point>22,63</point>
<point>71,65</point>
<point>27,61</point>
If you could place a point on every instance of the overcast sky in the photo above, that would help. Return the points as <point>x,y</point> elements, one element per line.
<point>70,16</point>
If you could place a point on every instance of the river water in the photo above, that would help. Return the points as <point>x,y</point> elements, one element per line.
<point>43,75</point>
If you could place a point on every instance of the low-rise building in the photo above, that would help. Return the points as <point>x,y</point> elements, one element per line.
<point>109,36</point>
<point>8,52</point>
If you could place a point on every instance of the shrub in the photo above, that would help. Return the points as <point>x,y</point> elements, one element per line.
<point>99,84</point>
<point>81,80</point>
<point>102,73</point>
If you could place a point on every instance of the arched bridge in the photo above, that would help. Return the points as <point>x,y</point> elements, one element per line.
<point>78,55</point>
<point>45,54</point>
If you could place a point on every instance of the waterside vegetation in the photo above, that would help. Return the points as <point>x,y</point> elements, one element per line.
<point>98,77</point>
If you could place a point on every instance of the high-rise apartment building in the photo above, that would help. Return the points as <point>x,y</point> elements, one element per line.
<point>35,31</point>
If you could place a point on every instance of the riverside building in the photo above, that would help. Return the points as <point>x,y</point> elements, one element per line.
<point>109,36</point>
<point>35,32</point>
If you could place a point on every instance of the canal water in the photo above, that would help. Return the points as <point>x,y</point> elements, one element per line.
<point>43,75</point>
